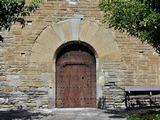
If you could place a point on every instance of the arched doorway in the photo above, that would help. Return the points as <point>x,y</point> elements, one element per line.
<point>75,77</point>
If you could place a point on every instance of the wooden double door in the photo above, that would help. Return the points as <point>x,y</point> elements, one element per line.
<point>75,77</point>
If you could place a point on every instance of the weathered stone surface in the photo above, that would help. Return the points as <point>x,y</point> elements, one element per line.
<point>66,27</point>
<point>40,48</point>
<point>3,78</point>
<point>31,105</point>
<point>93,28</point>
<point>9,89</point>
<point>9,56</point>
<point>13,77</point>
<point>75,27</point>
<point>2,100</point>
<point>47,37</point>
<point>59,31</point>
<point>47,78</point>
<point>84,29</point>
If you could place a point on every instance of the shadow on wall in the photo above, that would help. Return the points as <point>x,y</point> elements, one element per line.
<point>1,38</point>
<point>20,115</point>
<point>101,103</point>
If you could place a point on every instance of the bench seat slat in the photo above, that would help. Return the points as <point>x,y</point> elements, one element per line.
<point>142,88</point>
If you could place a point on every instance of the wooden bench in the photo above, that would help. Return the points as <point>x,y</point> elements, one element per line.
<point>138,93</point>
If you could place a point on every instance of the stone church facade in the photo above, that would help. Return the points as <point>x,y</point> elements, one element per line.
<point>29,66</point>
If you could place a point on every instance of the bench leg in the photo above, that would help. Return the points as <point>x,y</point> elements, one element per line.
<point>126,100</point>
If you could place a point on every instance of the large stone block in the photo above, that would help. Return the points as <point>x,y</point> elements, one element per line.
<point>66,27</point>
<point>9,89</point>
<point>75,28</point>
<point>49,39</point>
<point>84,29</point>
<point>37,57</point>
<point>13,77</point>
<point>9,56</point>
<point>59,31</point>
<point>3,78</point>
<point>2,100</point>
<point>47,78</point>
<point>93,28</point>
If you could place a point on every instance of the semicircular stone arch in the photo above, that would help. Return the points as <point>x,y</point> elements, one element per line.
<point>52,37</point>
<point>58,35</point>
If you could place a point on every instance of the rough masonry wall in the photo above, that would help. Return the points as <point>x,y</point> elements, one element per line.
<point>25,84</point>
<point>22,83</point>
<point>140,66</point>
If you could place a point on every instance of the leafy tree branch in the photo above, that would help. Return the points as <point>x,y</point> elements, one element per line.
<point>138,18</point>
<point>12,11</point>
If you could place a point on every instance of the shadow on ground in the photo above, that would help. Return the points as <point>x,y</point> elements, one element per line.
<point>20,115</point>
<point>113,113</point>
<point>123,113</point>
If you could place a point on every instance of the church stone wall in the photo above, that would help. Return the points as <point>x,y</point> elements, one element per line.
<point>27,55</point>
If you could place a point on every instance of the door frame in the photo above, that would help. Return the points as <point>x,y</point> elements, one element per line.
<point>92,60</point>
<point>98,86</point>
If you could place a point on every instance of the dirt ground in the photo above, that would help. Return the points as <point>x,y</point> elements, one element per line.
<point>71,114</point>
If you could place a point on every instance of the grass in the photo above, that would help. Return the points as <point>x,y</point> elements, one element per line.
<point>151,115</point>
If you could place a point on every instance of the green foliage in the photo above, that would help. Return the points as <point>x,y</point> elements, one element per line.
<point>12,11</point>
<point>138,18</point>
<point>151,115</point>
